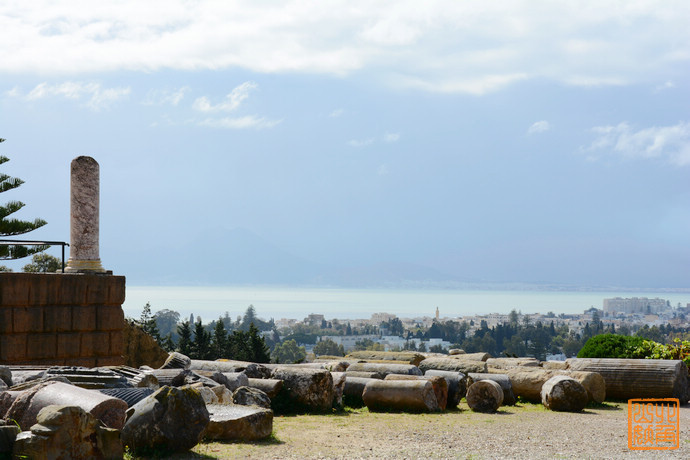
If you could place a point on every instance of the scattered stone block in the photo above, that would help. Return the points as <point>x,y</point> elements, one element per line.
<point>269,386</point>
<point>438,383</point>
<point>563,393</point>
<point>338,388</point>
<point>5,376</point>
<point>502,379</point>
<point>385,368</point>
<point>129,395</point>
<point>457,385</point>
<point>244,423</point>
<point>354,388</point>
<point>248,396</point>
<point>27,404</point>
<point>170,420</point>
<point>234,380</point>
<point>484,396</point>
<point>400,395</point>
<point>8,433</point>
<point>639,378</point>
<point>63,432</point>
<point>509,363</point>
<point>453,364</point>
<point>402,356</point>
<point>304,390</point>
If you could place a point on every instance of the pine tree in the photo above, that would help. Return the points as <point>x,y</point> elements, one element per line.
<point>184,345</point>
<point>257,344</point>
<point>219,341</point>
<point>202,341</point>
<point>147,322</point>
<point>13,227</point>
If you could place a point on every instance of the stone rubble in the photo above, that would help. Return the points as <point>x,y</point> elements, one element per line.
<point>175,407</point>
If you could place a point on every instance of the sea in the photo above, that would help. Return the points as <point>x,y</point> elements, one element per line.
<point>334,303</point>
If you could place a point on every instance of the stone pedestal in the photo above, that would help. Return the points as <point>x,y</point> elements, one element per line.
<point>61,319</point>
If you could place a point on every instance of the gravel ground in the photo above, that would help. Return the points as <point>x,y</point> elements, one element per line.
<point>525,431</point>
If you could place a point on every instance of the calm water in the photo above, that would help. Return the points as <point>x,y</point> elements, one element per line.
<point>275,302</point>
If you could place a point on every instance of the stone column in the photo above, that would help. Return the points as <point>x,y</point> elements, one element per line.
<point>84,210</point>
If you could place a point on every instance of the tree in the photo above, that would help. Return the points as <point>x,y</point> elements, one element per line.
<point>43,263</point>
<point>328,347</point>
<point>202,342</point>
<point>166,321</point>
<point>147,323</point>
<point>288,353</point>
<point>13,227</point>
<point>219,340</point>
<point>184,345</point>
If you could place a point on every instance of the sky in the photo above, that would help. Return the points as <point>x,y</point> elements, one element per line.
<point>502,142</point>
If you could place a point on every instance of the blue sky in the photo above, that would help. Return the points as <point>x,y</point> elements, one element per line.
<point>509,141</point>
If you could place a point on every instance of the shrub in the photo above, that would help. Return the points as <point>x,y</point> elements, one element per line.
<point>611,346</point>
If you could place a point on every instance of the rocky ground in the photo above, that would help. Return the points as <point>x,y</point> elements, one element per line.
<point>525,431</point>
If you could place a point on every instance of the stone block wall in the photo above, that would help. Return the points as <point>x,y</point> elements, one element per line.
<point>61,319</point>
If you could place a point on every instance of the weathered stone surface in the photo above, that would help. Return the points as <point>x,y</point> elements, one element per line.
<point>402,356</point>
<point>354,387</point>
<point>224,395</point>
<point>243,423</point>
<point>338,388</point>
<point>251,370</point>
<point>68,432</point>
<point>639,378</point>
<point>400,395</point>
<point>554,365</point>
<point>89,378</point>
<point>177,360</point>
<point>84,217</point>
<point>484,396</point>
<point>6,376</point>
<point>563,393</point>
<point>248,396</point>
<point>140,348</point>
<point>456,351</point>
<point>457,385</point>
<point>8,433</point>
<point>439,384</point>
<point>479,356</point>
<point>129,395</point>
<point>453,364</point>
<point>269,386</point>
<point>385,368</point>
<point>527,382</point>
<point>27,404</point>
<point>366,375</point>
<point>303,390</point>
<point>502,379</point>
<point>234,380</point>
<point>508,363</point>
<point>171,419</point>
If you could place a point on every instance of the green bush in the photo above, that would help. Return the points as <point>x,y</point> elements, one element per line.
<point>654,350</point>
<point>612,346</point>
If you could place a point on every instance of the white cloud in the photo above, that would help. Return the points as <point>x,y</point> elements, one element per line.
<point>231,102</point>
<point>246,122</point>
<point>391,137</point>
<point>165,96</point>
<point>96,97</point>
<point>670,143</point>
<point>666,85</point>
<point>539,127</point>
<point>336,113</point>
<point>453,47</point>
<point>360,142</point>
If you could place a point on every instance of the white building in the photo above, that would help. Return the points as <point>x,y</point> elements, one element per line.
<point>634,305</point>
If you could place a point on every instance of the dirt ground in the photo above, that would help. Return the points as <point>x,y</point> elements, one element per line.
<point>524,431</point>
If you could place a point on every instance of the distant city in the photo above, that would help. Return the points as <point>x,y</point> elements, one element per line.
<point>623,314</point>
